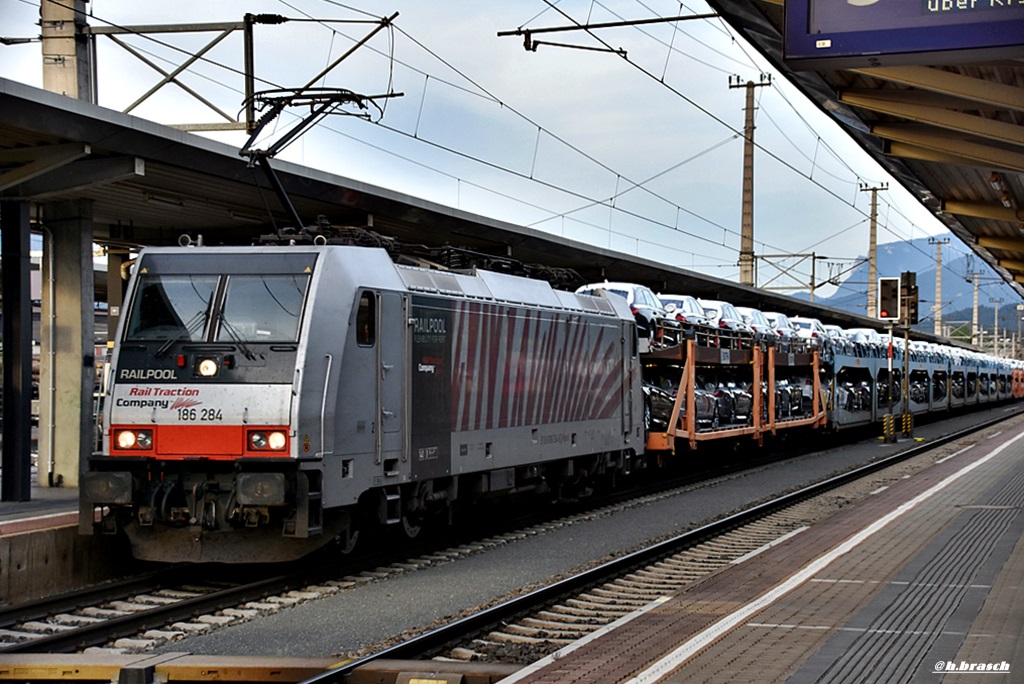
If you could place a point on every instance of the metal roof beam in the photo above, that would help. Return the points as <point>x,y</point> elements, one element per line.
<point>1004,244</point>
<point>973,152</point>
<point>996,212</point>
<point>904,151</point>
<point>1011,265</point>
<point>920,97</point>
<point>37,161</point>
<point>892,103</point>
<point>998,95</point>
<point>80,176</point>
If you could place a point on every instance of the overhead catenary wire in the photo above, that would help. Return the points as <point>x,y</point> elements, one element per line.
<point>626,183</point>
<point>267,82</point>
<point>820,142</point>
<point>527,119</point>
<point>515,198</point>
<point>716,118</point>
<point>490,96</point>
<point>292,6</point>
<point>483,92</point>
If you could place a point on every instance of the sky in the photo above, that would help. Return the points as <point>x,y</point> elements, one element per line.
<point>640,153</point>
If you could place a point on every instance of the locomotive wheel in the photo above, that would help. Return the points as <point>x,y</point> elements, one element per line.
<point>348,540</point>
<point>411,526</point>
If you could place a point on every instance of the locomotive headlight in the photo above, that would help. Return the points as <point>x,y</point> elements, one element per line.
<point>273,440</point>
<point>134,439</point>
<point>208,368</point>
<point>276,441</point>
<point>126,439</point>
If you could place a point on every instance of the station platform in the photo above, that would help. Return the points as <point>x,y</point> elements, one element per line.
<point>47,507</point>
<point>920,582</point>
<point>42,553</point>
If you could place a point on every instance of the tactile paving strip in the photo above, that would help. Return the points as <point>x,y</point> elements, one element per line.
<point>904,623</point>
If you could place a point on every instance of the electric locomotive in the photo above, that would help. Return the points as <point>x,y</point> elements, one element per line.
<point>266,401</point>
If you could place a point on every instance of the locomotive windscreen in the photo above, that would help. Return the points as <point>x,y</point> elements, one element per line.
<point>171,306</point>
<point>262,308</point>
<point>261,305</point>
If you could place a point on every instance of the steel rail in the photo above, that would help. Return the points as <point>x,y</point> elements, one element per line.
<point>185,609</point>
<point>183,574</point>
<point>129,625</point>
<point>457,630</point>
<point>111,591</point>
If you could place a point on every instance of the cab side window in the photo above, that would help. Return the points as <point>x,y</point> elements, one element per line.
<point>366,320</point>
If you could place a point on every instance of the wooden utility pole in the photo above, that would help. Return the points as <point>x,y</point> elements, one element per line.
<point>747,276</point>
<point>873,246</point>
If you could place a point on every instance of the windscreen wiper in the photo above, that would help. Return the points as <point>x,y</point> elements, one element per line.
<point>194,323</point>
<point>236,338</point>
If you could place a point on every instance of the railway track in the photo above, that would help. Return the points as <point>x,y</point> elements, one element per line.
<point>150,611</point>
<point>541,632</point>
<point>163,605</point>
<point>536,624</point>
<point>145,612</point>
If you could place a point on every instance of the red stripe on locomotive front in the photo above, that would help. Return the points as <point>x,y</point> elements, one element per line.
<point>218,442</point>
<point>200,440</point>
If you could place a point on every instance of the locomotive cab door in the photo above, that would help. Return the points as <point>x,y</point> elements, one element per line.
<point>391,377</point>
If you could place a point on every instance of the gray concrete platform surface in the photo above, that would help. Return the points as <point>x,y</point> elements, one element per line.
<point>920,582</point>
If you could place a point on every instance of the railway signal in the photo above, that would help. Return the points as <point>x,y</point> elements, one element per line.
<point>908,296</point>
<point>889,299</point>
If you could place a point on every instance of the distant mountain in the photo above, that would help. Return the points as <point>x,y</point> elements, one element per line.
<point>957,289</point>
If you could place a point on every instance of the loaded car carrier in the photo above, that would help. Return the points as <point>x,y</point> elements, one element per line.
<point>761,372</point>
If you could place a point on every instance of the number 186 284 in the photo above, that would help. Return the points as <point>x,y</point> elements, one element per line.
<point>193,414</point>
